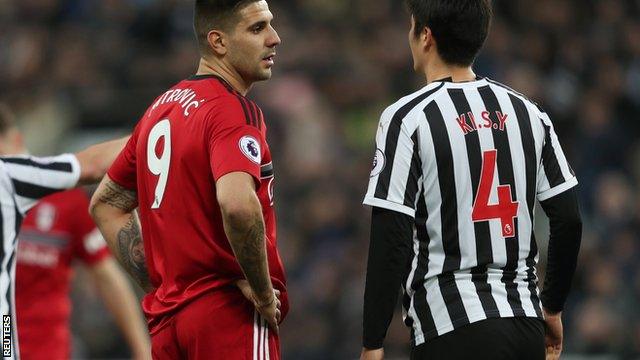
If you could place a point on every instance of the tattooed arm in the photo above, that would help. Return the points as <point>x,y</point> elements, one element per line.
<point>244,227</point>
<point>113,209</point>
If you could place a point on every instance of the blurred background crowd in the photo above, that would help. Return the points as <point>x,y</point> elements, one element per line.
<point>76,71</point>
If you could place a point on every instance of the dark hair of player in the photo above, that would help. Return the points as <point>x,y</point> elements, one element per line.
<point>6,119</point>
<point>215,14</point>
<point>460,27</point>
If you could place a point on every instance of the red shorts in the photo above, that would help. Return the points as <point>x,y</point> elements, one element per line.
<point>44,340</point>
<point>221,325</point>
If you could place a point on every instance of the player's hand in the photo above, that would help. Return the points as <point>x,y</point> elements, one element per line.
<point>269,310</point>
<point>246,290</point>
<point>553,334</point>
<point>375,354</point>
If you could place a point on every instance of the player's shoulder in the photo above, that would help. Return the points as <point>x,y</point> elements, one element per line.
<point>232,108</point>
<point>537,109</point>
<point>406,105</point>
<point>426,93</point>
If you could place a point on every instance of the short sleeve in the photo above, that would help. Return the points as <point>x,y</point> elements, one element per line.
<point>123,169</point>
<point>88,244</point>
<point>396,168</point>
<point>555,175</point>
<point>235,142</point>
<point>33,178</point>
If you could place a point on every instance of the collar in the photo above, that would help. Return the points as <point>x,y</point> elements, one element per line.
<point>450,79</point>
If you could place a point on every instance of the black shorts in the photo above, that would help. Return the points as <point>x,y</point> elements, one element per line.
<point>502,338</point>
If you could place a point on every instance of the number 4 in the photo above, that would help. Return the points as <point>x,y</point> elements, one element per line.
<point>505,210</point>
<point>159,165</point>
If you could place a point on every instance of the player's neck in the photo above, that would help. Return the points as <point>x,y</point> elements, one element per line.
<point>438,70</point>
<point>232,77</point>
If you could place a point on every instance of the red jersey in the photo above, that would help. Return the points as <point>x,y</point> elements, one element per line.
<point>193,134</point>
<point>55,232</point>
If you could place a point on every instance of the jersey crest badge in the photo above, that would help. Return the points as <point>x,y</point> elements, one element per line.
<point>378,163</point>
<point>94,241</point>
<point>45,217</point>
<point>250,147</point>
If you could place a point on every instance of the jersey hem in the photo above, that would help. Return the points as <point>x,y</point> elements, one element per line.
<point>548,194</point>
<point>256,179</point>
<point>389,205</point>
<point>120,182</point>
<point>432,334</point>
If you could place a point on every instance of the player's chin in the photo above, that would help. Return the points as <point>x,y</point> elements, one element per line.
<point>263,74</point>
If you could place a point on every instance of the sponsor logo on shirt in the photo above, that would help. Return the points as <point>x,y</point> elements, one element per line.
<point>250,148</point>
<point>38,255</point>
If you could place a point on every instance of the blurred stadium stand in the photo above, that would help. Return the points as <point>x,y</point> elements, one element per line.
<point>79,70</point>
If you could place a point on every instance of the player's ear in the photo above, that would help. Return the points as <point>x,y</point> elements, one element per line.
<point>426,38</point>
<point>217,42</point>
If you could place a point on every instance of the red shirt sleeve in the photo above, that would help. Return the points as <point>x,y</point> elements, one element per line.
<point>123,169</point>
<point>235,144</point>
<point>88,244</point>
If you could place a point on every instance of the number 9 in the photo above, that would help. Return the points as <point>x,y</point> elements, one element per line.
<point>159,165</point>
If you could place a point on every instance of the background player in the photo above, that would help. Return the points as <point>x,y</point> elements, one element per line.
<point>458,167</point>
<point>54,233</point>
<point>199,169</point>
<point>23,181</point>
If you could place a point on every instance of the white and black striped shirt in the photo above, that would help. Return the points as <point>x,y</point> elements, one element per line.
<point>23,181</point>
<point>467,161</point>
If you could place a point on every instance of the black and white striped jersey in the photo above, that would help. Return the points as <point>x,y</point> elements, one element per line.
<point>467,161</point>
<point>23,181</point>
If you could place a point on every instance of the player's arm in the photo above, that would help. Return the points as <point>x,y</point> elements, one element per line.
<point>565,225</point>
<point>95,160</point>
<point>121,301</point>
<point>564,244</point>
<point>391,239</point>
<point>558,197</point>
<point>36,177</point>
<point>113,210</point>
<point>244,227</point>
<point>389,254</point>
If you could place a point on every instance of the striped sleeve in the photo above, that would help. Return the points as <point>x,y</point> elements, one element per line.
<point>36,177</point>
<point>394,179</point>
<point>555,175</point>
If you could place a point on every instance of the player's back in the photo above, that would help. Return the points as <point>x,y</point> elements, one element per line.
<point>491,153</point>
<point>176,190</point>
<point>192,135</point>
<point>467,161</point>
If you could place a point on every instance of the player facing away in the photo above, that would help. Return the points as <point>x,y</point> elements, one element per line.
<point>24,180</point>
<point>199,170</point>
<point>56,232</point>
<point>458,168</point>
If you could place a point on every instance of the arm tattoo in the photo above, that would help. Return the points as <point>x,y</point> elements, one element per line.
<point>119,197</point>
<point>131,252</point>
<point>249,247</point>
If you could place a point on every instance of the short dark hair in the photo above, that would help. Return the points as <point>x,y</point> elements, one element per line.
<point>460,27</point>
<point>215,14</point>
<point>7,121</point>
